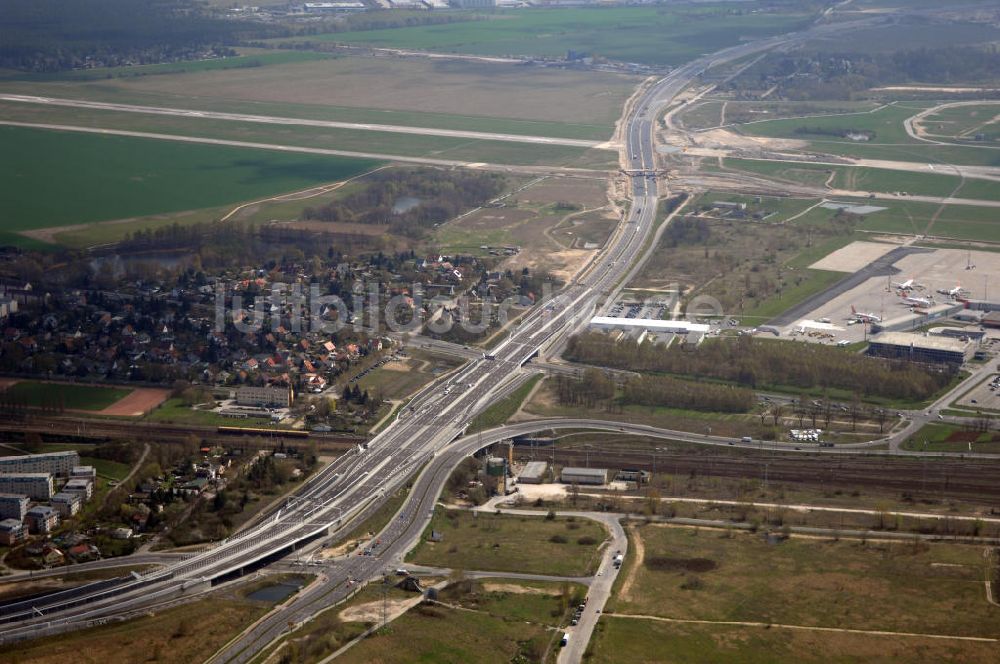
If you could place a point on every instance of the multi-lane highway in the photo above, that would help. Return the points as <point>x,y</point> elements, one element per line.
<point>422,435</point>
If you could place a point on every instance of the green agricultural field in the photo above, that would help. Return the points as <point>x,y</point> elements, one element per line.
<point>715,575</point>
<point>64,395</point>
<point>536,545</point>
<point>58,178</point>
<point>657,36</point>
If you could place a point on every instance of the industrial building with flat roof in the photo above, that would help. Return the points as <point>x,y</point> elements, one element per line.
<point>533,473</point>
<point>991,319</point>
<point>272,396</point>
<point>917,318</point>
<point>650,324</point>
<point>921,348</point>
<point>55,463</point>
<point>333,7</point>
<point>13,506</point>
<point>33,485</point>
<point>594,476</point>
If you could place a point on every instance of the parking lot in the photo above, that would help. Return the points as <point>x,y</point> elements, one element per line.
<point>985,395</point>
<point>650,309</point>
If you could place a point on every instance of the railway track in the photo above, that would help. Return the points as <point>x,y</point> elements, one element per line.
<point>56,429</point>
<point>919,478</point>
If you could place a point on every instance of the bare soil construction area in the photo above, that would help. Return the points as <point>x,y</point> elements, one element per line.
<point>138,402</point>
<point>372,611</point>
<point>557,223</point>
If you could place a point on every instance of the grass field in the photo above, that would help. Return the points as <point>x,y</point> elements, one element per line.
<point>526,601</point>
<point>907,34</point>
<point>885,180</point>
<point>398,380</point>
<point>965,122</point>
<point>64,395</point>
<point>813,281</point>
<point>954,221</point>
<point>175,412</point>
<point>26,587</point>
<point>657,36</point>
<point>502,410</point>
<point>719,576</point>
<point>478,96</point>
<point>447,636</point>
<point>621,639</point>
<point>865,179</point>
<point>886,122</point>
<point>481,541</point>
<point>709,112</point>
<point>248,59</point>
<point>951,438</point>
<point>754,269</point>
<point>187,633</point>
<point>57,183</point>
<point>808,174</point>
<point>107,469</point>
<point>551,236</point>
<point>368,142</point>
<point>890,141</point>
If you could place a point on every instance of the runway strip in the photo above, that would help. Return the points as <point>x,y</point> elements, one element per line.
<point>296,148</point>
<point>301,122</point>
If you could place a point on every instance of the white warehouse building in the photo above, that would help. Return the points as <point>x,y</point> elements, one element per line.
<point>649,324</point>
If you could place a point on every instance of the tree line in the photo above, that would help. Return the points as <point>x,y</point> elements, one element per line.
<point>50,35</point>
<point>841,75</point>
<point>594,388</point>
<point>755,363</point>
<point>676,393</point>
<point>441,195</point>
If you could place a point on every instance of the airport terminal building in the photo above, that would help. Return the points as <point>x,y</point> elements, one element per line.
<point>921,348</point>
